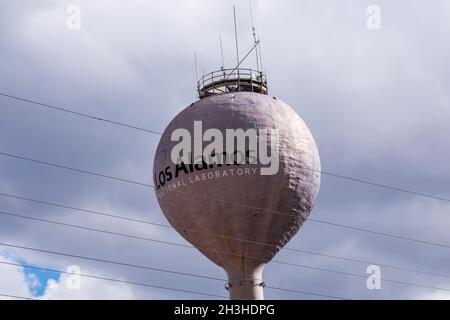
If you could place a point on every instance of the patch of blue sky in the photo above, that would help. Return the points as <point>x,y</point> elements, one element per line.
<point>37,279</point>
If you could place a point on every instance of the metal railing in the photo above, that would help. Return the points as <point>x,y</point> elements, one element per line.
<point>232,80</point>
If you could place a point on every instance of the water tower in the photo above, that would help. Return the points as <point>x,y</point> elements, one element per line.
<point>239,214</point>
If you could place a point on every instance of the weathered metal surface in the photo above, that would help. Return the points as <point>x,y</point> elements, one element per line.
<point>258,208</point>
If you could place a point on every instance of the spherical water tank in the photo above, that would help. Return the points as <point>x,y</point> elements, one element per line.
<point>233,214</point>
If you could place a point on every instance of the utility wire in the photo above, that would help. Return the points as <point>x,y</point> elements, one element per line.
<point>425,242</point>
<point>208,250</point>
<point>75,169</point>
<point>15,296</point>
<point>59,205</point>
<point>146,268</point>
<point>85,115</point>
<point>365,262</point>
<point>339,176</point>
<point>310,219</point>
<point>383,186</point>
<point>114,280</point>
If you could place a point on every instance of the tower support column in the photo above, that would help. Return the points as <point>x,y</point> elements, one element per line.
<point>245,280</point>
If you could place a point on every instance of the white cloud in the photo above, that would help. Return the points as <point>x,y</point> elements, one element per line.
<point>14,282</point>
<point>12,279</point>
<point>89,289</point>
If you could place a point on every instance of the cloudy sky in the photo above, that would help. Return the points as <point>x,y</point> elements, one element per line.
<point>376,101</point>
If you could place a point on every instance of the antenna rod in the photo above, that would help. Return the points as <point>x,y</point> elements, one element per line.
<point>196,66</point>
<point>237,44</point>
<point>196,72</point>
<point>260,56</point>
<point>245,57</point>
<point>221,51</point>
<point>254,35</point>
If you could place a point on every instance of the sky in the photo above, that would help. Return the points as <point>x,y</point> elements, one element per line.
<point>376,100</point>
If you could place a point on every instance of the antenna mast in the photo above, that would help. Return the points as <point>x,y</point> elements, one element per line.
<point>221,51</point>
<point>196,73</point>
<point>237,45</point>
<point>254,36</point>
<point>235,79</point>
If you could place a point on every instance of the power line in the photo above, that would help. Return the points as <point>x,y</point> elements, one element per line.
<point>53,204</point>
<point>310,219</point>
<point>365,276</point>
<point>75,169</point>
<point>384,234</point>
<point>85,115</point>
<point>166,288</point>
<point>93,229</point>
<point>426,242</point>
<point>207,249</point>
<point>365,262</point>
<point>115,280</point>
<point>339,176</point>
<point>150,268</point>
<point>309,293</point>
<point>383,186</point>
<point>123,264</point>
<point>15,296</point>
